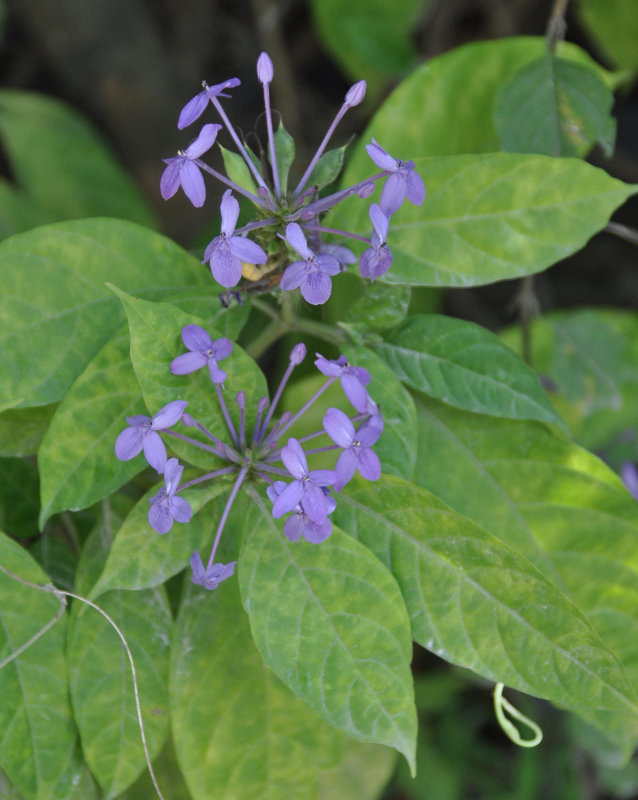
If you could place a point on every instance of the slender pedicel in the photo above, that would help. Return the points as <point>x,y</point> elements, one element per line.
<point>265,74</point>
<point>228,420</point>
<point>231,499</point>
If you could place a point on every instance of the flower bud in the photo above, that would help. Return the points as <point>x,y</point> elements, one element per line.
<point>265,70</point>
<point>355,94</point>
<point>188,420</point>
<point>240,399</point>
<point>298,353</point>
<point>262,405</point>
<point>366,190</point>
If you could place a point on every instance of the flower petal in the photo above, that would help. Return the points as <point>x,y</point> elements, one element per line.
<point>416,188</point>
<point>393,193</point>
<point>344,468</point>
<point>294,527</point>
<point>159,517</point>
<point>381,158</point>
<point>338,427</point>
<point>129,443</point>
<point>180,509</point>
<point>154,451</point>
<point>246,250</point>
<point>204,141</point>
<point>368,463</point>
<point>225,267</point>
<point>355,391</point>
<point>288,500</point>
<point>196,338</point>
<point>313,502</point>
<point>192,110</point>
<point>297,240</point>
<point>294,459</point>
<point>294,276</point>
<point>317,288</point>
<point>221,348</point>
<point>172,475</point>
<point>167,416</point>
<point>187,363</point>
<point>171,177</point>
<point>193,183</point>
<point>230,213</point>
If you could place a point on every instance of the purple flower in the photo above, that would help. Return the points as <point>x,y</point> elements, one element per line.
<point>265,70</point>
<point>403,181</point>
<point>305,490</point>
<point>356,448</point>
<point>210,578</point>
<point>196,107</point>
<point>143,435</point>
<point>377,259</point>
<point>204,352</point>
<point>226,252</point>
<point>353,379</point>
<point>375,420</point>
<point>181,169</point>
<point>342,253</point>
<point>165,506</point>
<point>312,274</point>
<point>299,524</point>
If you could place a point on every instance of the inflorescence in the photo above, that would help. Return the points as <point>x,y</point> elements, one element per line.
<point>307,498</point>
<point>287,222</point>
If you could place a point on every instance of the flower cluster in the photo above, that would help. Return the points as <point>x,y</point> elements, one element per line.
<point>287,222</point>
<point>300,494</point>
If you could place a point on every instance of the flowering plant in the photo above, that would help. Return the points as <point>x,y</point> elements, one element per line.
<point>271,534</point>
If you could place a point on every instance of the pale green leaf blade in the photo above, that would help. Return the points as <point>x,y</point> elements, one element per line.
<point>328,167</point>
<point>477,603</point>
<point>37,735</point>
<point>329,620</point>
<point>236,726</point>
<point>285,153</point>
<point>381,307</point>
<point>55,310</point>
<point>363,772</point>
<point>76,458</point>
<point>18,211</point>
<point>141,558</point>
<point>64,164</point>
<point>237,170</point>
<point>445,106</point>
<point>155,330</point>
<point>19,497</point>
<point>22,429</point>
<point>466,366</point>
<point>494,217</point>
<point>554,107</point>
<point>102,687</point>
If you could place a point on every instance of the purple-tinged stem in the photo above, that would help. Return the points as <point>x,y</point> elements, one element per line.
<point>276,398</point>
<point>241,402</point>
<point>231,499</point>
<point>208,476</point>
<point>307,405</point>
<point>251,226</point>
<point>337,232</point>
<point>234,186</point>
<point>276,456</point>
<point>271,439</point>
<point>238,143</point>
<point>321,148</point>
<point>274,470</point>
<point>214,438</point>
<point>262,405</point>
<point>222,450</point>
<point>271,141</point>
<point>229,422</point>
<point>325,203</point>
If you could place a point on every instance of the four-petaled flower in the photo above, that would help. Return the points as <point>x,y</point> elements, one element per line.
<point>306,489</point>
<point>143,435</point>
<point>299,524</point>
<point>210,578</point>
<point>181,169</point>
<point>356,448</point>
<point>203,352</point>
<point>197,105</point>
<point>312,275</point>
<point>226,252</point>
<point>377,259</point>
<point>165,505</point>
<point>353,379</point>
<point>402,182</point>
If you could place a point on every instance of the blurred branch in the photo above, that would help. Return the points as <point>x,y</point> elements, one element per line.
<point>622,231</point>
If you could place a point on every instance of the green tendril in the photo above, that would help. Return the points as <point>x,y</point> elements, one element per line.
<point>501,705</point>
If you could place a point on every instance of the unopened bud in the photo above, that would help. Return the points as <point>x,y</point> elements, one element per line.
<point>262,405</point>
<point>356,94</point>
<point>240,399</point>
<point>188,420</point>
<point>366,190</point>
<point>298,353</point>
<point>265,70</point>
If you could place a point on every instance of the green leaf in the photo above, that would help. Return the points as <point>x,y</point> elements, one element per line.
<point>141,558</point>
<point>613,25</point>
<point>477,603</point>
<point>548,499</point>
<point>19,212</point>
<point>19,497</point>
<point>362,774</point>
<point>445,107</point>
<point>328,167</point>
<point>381,307</point>
<point>555,107</point>
<point>102,687</point>
<point>22,429</point>
<point>58,558</point>
<point>370,38</point>
<point>330,622</point>
<point>397,446</point>
<point>37,736</point>
<point>237,170</point>
<point>55,310</point>
<point>76,458</point>
<point>285,152</point>
<point>155,330</point>
<point>466,366</point>
<point>236,726</point>
<point>493,217</point>
<point>588,359</point>
<point>63,163</point>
